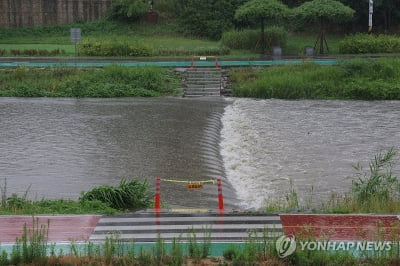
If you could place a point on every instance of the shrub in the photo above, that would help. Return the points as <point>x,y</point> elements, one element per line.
<point>43,52</point>
<point>55,52</point>
<point>15,52</point>
<point>207,18</point>
<point>2,52</point>
<point>367,43</point>
<point>127,195</point>
<point>30,52</point>
<point>250,39</point>
<point>106,48</point>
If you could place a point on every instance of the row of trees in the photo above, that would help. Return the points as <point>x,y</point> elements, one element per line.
<point>210,18</point>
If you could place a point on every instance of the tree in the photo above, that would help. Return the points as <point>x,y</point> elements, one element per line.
<point>129,9</point>
<point>208,18</point>
<point>261,11</point>
<point>323,12</point>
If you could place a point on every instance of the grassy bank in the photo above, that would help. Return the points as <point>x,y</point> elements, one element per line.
<point>361,79</point>
<point>111,81</point>
<point>128,195</point>
<point>163,39</point>
<point>375,190</point>
<point>32,248</point>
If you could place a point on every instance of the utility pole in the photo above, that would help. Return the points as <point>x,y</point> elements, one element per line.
<point>371,11</point>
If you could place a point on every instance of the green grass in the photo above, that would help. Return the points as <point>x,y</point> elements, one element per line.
<point>68,48</point>
<point>110,81</point>
<point>376,190</point>
<point>33,248</point>
<point>361,79</point>
<point>164,35</point>
<point>297,41</point>
<point>128,195</point>
<point>131,195</point>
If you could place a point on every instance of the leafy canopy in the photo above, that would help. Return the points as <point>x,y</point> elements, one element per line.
<point>129,9</point>
<point>256,10</point>
<point>327,10</point>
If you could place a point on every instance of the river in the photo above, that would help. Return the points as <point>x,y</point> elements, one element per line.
<point>59,147</point>
<point>267,144</point>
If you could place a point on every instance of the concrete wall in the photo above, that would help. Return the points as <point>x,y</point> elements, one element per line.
<point>23,13</point>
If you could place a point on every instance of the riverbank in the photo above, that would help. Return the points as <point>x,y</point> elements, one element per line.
<point>349,79</point>
<point>179,238</point>
<point>107,82</point>
<point>356,79</point>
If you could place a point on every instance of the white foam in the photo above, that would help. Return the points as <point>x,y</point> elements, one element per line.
<point>267,143</point>
<point>243,156</point>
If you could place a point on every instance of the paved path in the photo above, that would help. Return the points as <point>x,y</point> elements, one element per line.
<point>61,228</point>
<point>342,226</point>
<point>228,227</point>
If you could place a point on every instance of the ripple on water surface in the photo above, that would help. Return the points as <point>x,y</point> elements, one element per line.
<point>60,147</point>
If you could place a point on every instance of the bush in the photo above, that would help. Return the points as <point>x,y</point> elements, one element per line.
<point>207,18</point>
<point>106,48</point>
<point>250,39</point>
<point>15,52</point>
<point>367,43</point>
<point>128,195</point>
<point>43,52</point>
<point>30,52</point>
<point>2,52</point>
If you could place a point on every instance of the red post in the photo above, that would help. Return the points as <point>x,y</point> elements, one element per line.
<point>220,196</point>
<point>157,205</point>
<point>216,62</point>
<point>192,62</point>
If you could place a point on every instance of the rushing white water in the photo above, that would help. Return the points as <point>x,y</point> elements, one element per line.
<point>267,143</point>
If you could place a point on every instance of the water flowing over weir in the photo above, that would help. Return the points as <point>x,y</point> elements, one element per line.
<point>63,146</point>
<point>60,147</point>
<point>267,143</point>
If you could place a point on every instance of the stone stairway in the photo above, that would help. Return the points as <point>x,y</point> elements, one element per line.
<point>202,81</point>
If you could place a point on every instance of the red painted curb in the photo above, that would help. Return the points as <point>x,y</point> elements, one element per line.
<point>341,227</point>
<point>61,228</point>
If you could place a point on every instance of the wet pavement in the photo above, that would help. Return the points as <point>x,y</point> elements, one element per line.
<point>223,226</point>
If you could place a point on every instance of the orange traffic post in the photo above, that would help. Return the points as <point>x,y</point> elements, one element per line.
<point>157,204</point>
<point>220,196</point>
<point>216,62</point>
<point>192,62</point>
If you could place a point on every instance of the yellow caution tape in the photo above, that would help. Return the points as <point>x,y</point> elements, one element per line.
<point>212,181</point>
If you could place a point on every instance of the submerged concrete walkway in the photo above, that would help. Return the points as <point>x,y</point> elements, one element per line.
<point>145,227</point>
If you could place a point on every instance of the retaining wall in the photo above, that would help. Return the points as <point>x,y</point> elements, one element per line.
<point>25,13</point>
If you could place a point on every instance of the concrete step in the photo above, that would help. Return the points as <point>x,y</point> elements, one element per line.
<point>199,85</point>
<point>203,90</point>
<point>202,82</point>
<point>203,78</point>
<point>202,93</point>
<point>203,69</point>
